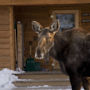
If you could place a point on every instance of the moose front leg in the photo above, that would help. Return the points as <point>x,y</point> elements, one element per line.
<point>75,82</point>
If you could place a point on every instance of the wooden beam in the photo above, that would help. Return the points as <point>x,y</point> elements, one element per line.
<point>48,2</point>
<point>42,2</point>
<point>12,51</point>
<point>20,45</point>
<point>5,2</point>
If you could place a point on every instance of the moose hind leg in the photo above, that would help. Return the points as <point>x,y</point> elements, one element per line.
<point>75,82</point>
<point>85,83</point>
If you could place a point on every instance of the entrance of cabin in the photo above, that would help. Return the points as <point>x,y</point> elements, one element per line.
<point>26,38</point>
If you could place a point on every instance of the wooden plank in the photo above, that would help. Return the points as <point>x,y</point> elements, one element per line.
<point>5,2</point>
<point>47,2</point>
<point>4,8</point>
<point>5,65</point>
<point>4,34</point>
<point>20,45</point>
<point>4,52</point>
<point>4,15</point>
<point>33,13</point>
<point>4,20</point>
<point>4,27</point>
<point>12,40</point>
<point>4,46</point>
<point>41,2</point>
<point>4,40</point>
<point>4,11</point>
<point>4,59</point>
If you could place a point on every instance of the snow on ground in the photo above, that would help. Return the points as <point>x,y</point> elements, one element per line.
<point>7,77</point>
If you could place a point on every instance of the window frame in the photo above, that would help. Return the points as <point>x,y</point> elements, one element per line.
<point>75,12</point>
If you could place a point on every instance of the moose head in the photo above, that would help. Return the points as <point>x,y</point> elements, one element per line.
<point>45,37</point>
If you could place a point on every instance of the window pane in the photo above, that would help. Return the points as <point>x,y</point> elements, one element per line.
<point>67,21</point>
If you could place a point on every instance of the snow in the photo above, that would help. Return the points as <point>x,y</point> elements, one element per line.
<point>7,77</point>
<point>44,86</point>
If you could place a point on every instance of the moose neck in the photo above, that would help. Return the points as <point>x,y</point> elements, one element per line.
<point>60,46</point>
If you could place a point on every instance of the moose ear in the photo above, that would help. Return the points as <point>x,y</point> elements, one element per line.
<point>55,26</point>
<point>36,26</point>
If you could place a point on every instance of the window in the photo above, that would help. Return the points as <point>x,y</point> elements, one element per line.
<point>68,18</point>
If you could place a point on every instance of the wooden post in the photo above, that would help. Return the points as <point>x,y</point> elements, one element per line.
<point>12,53</point>
<point>20,45</point>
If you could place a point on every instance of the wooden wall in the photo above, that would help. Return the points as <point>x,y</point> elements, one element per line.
<point>5,38</point>
<point>26,14</point>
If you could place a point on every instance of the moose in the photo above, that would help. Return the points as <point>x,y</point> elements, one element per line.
<point>70,47</point>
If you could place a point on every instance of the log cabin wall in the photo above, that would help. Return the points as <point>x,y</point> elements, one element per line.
<point>6,38</point>
<point>26,14</point>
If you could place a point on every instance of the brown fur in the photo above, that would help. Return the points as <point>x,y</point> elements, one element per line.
<point>71,48</point>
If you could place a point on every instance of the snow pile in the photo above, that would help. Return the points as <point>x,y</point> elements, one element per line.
<point>7,77</point>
